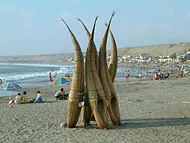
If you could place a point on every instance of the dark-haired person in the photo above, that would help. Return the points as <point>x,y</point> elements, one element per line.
<point>17,99</point>
<point>59,95</point>
<point>24,97</point>
<point>38,97</point>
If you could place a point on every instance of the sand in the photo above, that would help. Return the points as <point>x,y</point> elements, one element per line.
<point>151,111</point>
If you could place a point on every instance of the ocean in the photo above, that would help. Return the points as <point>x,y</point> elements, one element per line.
<point>32,75</point>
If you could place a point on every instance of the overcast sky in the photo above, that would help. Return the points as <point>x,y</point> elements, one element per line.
<point>30,27</point>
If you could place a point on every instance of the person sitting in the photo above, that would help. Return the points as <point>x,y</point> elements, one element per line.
<point>60,95</point>
<point>18,99</point>
<point>162,76</point>
<point>157,76</point>
<point>38,97</point>
<point>167,75</point>
<point>24,97</point>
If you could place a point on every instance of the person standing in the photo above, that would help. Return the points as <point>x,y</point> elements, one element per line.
<point>50,77</point>
<point>126,75</point>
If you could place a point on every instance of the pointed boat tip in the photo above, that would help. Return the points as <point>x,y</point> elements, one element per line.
<point>113,13</point>
<point>63,21</point>
<point>96,17</point>
<point>93,30</point>
<point>79,19</point>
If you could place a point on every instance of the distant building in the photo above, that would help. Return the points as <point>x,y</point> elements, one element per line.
<point>185,56</point>
<point>126,57</point>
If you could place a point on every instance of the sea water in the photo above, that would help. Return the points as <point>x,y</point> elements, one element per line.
<point>32,75</point>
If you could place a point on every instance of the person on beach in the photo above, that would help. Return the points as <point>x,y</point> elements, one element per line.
<point>60,95</point>
<point>24,97</point>
<point>157,76</point>
<point>50,77</point>
<point>162,76</point>
<point>166,75</point>
<point>127,75</point>
<point>17,99</point>
<point>140,74</point>
<point>38,98</point>
<point>1,81</point>
<point>55,75</point>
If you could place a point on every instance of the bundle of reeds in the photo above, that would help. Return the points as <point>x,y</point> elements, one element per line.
<point>77,84</point>
<point>112,67</point>
<point>93,60</point>
<point>96,82</point>
<point>92,83</point>
<point>105,76</point>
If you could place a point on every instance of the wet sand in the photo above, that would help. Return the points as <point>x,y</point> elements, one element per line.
<point>151,111</point>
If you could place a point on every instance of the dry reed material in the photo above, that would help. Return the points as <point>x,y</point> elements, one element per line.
<point>93,97</point>
<point>114,101</point>
<point>94,45</point>
<point>102,108</point>
<point>77,84</point>
<point>113,59</point>
<point>103,75</point>
<point>94,66</point>
<point>91,84</point>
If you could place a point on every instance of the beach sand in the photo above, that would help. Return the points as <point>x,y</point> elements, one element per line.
<point>151,111</point>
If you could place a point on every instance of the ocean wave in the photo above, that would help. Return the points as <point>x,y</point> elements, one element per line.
<point>62,70</point>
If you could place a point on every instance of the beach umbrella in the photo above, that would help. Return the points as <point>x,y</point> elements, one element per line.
<point>60,81</point>
<point>10,86</point>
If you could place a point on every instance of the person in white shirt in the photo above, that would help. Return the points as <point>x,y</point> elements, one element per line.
<point>59,95</point>
<point>38,97</point>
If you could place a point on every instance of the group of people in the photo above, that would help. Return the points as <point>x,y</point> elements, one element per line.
<point>127,74</point>
<point>161,76</point>
<point>23,98</point>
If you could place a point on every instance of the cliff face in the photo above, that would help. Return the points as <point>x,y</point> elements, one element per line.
<point>154,50</point>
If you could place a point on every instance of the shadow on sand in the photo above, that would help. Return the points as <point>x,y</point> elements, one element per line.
<point>152,122</point>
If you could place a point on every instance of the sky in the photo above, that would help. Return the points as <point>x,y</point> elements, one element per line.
<point>33,27</point>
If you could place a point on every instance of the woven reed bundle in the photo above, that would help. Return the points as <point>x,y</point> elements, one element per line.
<point>94,46</point>
<point>103,75</point>
<point>114,101</point>
<point>94,66</point>
<point>77,84</point>
<point>109,78</point>
<point>102,101</point>
<point>113,59</point>
<point>93,97</point>
<point>96,83</point>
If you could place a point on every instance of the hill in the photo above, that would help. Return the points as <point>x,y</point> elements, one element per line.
<point>154,50</point>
